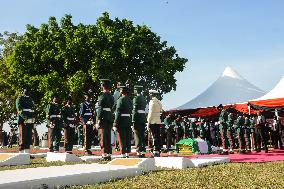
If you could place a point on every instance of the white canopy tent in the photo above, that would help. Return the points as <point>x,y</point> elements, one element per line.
<point>275,93</point>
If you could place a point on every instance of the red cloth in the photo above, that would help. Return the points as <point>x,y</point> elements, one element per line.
<point>206,112</point>
<point>243,108</point>
<point>270,103</point>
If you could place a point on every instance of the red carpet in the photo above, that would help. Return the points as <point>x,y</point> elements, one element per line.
<point>272,155</point>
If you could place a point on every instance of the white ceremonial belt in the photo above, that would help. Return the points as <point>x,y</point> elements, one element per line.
<point>30,121</point>
<point>107,109</point>
<point>28,110</point>
<point>90,122</point>
<point>70,118</point>
<point>88,114</point>
<point>125,115</point>
<point>141,111</point>
<point>54,116</point>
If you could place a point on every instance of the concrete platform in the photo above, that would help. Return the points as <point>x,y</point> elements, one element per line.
<point>91,158</point>
<point>38,155</point>
<point>94,158</point>
<point>65,157</point>
<point>80,174</point>
<point>14,159</point>
<point>183,162</point>
<point>145,164</point>
<point>201,162</point>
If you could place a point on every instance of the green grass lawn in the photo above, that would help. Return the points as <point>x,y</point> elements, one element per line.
<point>232,175</point>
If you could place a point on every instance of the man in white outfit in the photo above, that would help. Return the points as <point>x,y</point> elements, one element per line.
<point>154,121</point>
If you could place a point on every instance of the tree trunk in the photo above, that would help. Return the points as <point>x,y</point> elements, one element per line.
<point>1,125</point>
<point>1,134</point>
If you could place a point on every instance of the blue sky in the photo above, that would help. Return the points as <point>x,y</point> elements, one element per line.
<point>246,35</point>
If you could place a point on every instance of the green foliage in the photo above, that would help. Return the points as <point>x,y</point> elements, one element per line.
<point>8,95</point>
<point>65,58</point>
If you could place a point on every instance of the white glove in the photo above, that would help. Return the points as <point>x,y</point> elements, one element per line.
<point>114,128</point>
<point>148,127</point>
<point>97,126</point>
<point>132,128</point>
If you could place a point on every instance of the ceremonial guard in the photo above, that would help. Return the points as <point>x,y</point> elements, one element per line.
<point>154,120</point>
<point>25,110</point>
<point>54,123</point>
<point>213,134</point>
<point>202,128</point>
<point>193,128</point>
<point>178,128</point>
<point>185,125</point>
<point>223,118</point>
<point>122,122</point>
<point>241,133</point>
<point>253,131</point>
<point>87,118</point>
<point>116,93</point>
<point>230,132</point>
<point>116,96</point>
<point>168,121</point>
<point>68,115</point>
<point>139,120</point>
<point>105,118</point>
<point>247,134</point>
<point>80,134</point>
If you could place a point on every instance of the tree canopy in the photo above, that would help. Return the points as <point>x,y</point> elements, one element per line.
<point>7,94</point>
<point>66,58</point>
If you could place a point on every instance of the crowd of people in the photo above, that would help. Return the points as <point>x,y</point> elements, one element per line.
<point>229,131</point>
<point>112,113</point>
<point>116,114</point>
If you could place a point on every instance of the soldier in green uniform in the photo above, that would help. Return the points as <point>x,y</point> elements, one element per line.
<point>80,134</point>
<point>178,128</point>
<point>25,109</point>
<point>68,115</point>
<point>193,128</point>
<point>202,125</point>
<point>168,121</point>
<point>54,123</point>
<point>241,133</point>
<point>87,118</point>
<point>223,118</point>
<point>213,134</point>
<point>230,132</point>
<point>252,132</point>
<point>247,134</point>
<point>105,118</point>
<point>122,122</point>
<point>116,96</point>
<point>185,125</point>
<point>139,120</point>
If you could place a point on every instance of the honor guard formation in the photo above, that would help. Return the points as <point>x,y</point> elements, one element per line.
<point>116,122</point>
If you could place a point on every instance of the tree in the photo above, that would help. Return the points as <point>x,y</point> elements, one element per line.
<point>8,95</point>
<point>67,58</point>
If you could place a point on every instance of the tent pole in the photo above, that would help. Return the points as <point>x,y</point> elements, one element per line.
<point>276,114</point>
<point>249,108</point>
